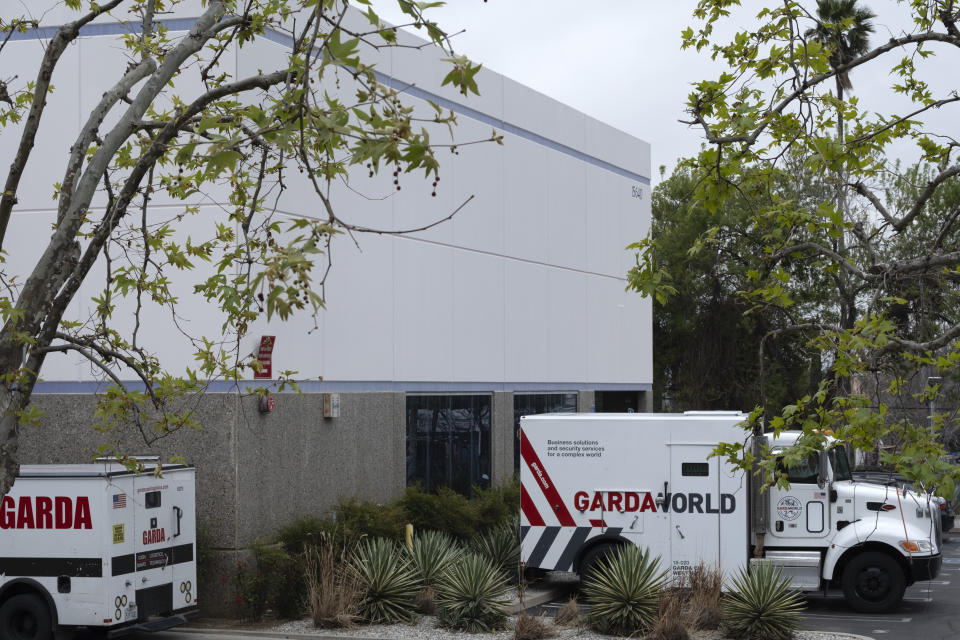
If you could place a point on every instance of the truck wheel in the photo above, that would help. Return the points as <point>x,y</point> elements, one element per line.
<point>25,617</point>
<point>592,558</point>
<point>873,582</point>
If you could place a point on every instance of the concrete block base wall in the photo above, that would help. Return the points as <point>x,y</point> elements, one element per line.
<point>257,472</point>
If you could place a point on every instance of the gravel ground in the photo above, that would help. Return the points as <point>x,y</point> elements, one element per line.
<point>426,629</point>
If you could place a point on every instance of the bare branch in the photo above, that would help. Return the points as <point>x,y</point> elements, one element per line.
<point>899,224</point>
<point>822,250</point>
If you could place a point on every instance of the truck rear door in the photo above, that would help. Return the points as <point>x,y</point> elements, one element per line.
<point>153,521</point>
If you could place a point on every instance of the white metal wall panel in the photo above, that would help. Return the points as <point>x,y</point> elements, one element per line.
<point>478,316</point>
<point>526,343</point>
<point>423,310</point>
<point>526,284</point>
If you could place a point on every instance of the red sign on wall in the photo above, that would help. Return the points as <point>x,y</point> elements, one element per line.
<point>265,356</point>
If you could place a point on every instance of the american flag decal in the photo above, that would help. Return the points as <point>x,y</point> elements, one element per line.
<point>119,500</point>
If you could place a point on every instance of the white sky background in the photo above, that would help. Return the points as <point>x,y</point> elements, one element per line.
<point>620,60</point>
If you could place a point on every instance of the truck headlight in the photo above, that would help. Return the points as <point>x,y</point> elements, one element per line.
<point>916,546</point>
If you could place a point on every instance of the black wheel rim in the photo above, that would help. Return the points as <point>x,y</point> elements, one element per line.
<point>873,584</point>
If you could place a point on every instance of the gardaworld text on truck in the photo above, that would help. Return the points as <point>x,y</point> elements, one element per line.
<point>97,546</point>
<point>591,482</point>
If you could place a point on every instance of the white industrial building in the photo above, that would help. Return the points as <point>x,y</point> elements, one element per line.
<point>435,341</point>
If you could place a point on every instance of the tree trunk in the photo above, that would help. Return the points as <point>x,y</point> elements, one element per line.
<point>9,440</point>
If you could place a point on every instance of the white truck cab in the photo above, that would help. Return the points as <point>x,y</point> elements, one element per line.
<point>590,482</point>
<point>97,546</point>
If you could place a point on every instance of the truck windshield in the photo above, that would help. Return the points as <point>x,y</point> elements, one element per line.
<point>840,463</point>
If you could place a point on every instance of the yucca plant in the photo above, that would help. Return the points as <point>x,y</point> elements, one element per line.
<point>500,545</point>
<point>761,605</point>
<point>390,585</point>
<point>432,552</point>
<point>472,595</point>
<point>623,592</point>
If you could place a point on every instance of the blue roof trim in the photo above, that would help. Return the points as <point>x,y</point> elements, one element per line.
<point>184,24</point>
<point>360,386</point>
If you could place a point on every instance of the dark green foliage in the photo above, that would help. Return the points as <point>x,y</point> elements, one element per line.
<point>707,336</point>
<point>353,520</point>
<point>275,582</point>
<point>445,510</point>
<point>389,584</point>
<point>623,592</point>
<point>452,513</point>
<point>358,518</point>
<point>497,504</point>
<point>472,595</point>
<point>308,531</point>
<point>761,605</point>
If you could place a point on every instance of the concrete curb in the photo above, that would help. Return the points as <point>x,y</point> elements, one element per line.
<point>536,598</point>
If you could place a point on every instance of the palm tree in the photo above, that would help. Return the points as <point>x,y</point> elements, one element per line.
<point>845,29</point>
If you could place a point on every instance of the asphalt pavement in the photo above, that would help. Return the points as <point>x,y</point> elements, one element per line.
<point>929,611</point>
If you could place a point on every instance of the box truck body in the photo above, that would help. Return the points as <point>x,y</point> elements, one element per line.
<point>97,546</point>
<point>591,482</point>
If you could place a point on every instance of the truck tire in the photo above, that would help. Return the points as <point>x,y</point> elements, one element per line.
<point>592,558</point>
<point>873,582</point>
<point>25,617</point>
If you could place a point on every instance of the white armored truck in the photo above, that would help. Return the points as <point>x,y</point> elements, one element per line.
<point>97,546</point>
<point>591,482</point>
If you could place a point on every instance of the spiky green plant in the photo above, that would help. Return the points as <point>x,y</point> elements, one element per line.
<point>388,579</point>
<point>761,605</point>
<point>472,595</point>
<point>500,545</point>
<point>431,554</point>
<point>623,592</point>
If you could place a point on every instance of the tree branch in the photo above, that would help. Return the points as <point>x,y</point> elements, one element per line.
<point>65,35</point>
<point>899,224</point>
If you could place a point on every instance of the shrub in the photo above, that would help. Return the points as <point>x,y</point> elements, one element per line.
<point>471,595</point>
<point>309,531</point>
<point>569,614</point>
<point>446,511</point>
<point>390,587</point>
<point>496,505</point>
<point>500,545</point>
<point>761,605</point>
<point>529,627</point>
<point>333,591</point>
<point>669,624</point>
<point>357,518</point>
<point>276,583</point>
<point>623,592</point>
<point>705,586</point>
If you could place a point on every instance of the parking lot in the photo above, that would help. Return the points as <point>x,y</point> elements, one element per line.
<point>929,610</point>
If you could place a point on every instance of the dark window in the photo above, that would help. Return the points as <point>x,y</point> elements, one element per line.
<point>448,442</point>
<point>152,499</point>
<point>695,469</point>
<point>805,472</point>
<point>528,404</point>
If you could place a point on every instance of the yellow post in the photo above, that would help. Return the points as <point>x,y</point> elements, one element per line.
<point>410,537</point>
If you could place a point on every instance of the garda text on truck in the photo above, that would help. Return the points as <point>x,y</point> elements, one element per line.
<point>592,482</point>
<point>97,546</point>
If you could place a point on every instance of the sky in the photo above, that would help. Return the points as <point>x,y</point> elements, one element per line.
<point>616,60</point>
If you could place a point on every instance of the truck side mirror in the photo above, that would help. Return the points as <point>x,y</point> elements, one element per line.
<point>822,470</point>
